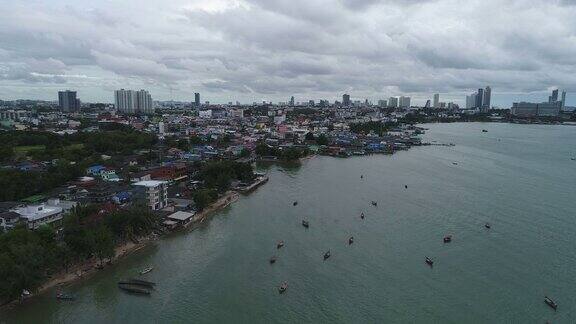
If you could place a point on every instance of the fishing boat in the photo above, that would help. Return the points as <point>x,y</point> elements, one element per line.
<point>146,270</point>
<point>305,224</point>
<point>455,163</point>
<point>374,203</point>
<point>487,225</point>
<point>327,255</point>
<point>550,302</point>
<point>362,215</point>
<point>133,289</point>
<point>484,131</point>
<point>429,261</point>
<point>405,186</point>
<point>447,238</point>
<point>279,244</point>
<point>63,296</point>
<point>351,240</point>
<point>283,287</point>
<point>138,282</point>
<point>295,203</point>
<point>273,260</point>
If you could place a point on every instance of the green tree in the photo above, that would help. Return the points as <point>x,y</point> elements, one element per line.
<point>322,140</point>
<point>103,243</point>
<point>204,197</point>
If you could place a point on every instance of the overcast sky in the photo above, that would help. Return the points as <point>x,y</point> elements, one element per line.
<point>254,50</point>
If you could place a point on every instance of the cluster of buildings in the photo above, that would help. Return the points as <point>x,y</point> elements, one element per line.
<point>552,108</point>
<point>480,99</point>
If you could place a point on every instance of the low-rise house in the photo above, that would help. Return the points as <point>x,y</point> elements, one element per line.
<point>49,213</point>
<point>95,170</point>
<point>8,220</point>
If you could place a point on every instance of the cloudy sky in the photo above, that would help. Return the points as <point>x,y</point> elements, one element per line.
<point>254,50</point>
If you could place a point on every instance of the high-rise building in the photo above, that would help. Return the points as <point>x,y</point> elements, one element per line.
<point>554,97</point>
<point>346,100</point>
<point>133,102</point>
<point>437,100</point>
<point>197,100</point>
<point>404,102</point>
<point>471,101</point>
<point>382,103</point>
<point>392,102</point>
<point>563,99</point>
<point>427,103</point>
<point>487,98</point>
<point>68,102</point>
<point>479,98</point>
<point>292,101</point>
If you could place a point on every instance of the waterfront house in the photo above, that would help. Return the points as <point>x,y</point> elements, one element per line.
<point>152,192</point>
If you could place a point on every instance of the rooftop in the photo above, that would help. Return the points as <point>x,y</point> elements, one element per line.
<point>150,183</point>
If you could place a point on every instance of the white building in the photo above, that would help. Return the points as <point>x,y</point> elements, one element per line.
<point>437,100</point>
<point>133,102</point>
<point>154,193</point>
<point>404,102</point>
<point>471,101</point>
<point>46,213</point>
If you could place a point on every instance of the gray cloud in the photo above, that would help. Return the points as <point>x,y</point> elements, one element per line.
<point>254,49</point>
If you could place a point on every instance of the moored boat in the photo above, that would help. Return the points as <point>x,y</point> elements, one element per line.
<point>447,238</point>
<point>362,215</point>
<point>305,224</point>
<point>283,287</point>
<point>374,203</point>
<point>351,240</point>
<point>487,225</point>
<point>133,289</point>
<point>279,244</point>
<point>295,203</point>
<point>63,296</point>
<point>327,255</point>
<point>138,282</point>
<point>146,270</point>
<point>550,302</point>
<point>429,261</point>
<point>273,260</point>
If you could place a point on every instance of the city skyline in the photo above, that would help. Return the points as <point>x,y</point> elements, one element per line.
<point>383,48</point>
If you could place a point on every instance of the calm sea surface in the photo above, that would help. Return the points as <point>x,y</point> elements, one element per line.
<point>520,178</point>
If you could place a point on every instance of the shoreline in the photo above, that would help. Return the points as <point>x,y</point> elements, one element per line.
<point>88,268</point>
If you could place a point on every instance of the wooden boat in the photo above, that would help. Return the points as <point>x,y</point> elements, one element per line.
<point>362,215</point>
<point>487,225</point>
<point>305,224</point>
<point>283,287</point>
<point>429,261</point>
<point>133,289</point>
<point>550,302</point>
<point>280,244</point>
<point>351,240</point>
<point>447,238</point>
<point>63,296</point>
<point>405,186</point>
<point>139,282</point>
<point>147,270</point>
<point>273,260</point>
<point>327,255</point>
<point>295,203</point>
<point>455,163</point>
<point>374,203</point>
<point>484,131</point>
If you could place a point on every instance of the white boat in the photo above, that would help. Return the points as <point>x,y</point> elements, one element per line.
<point>145,271</point>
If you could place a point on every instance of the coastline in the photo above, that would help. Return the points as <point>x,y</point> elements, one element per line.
<point>88,268</point>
